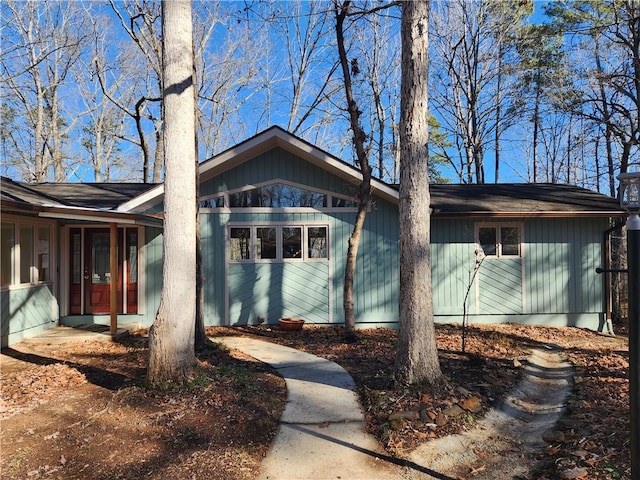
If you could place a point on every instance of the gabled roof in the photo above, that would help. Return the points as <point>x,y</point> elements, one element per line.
<point>258,144</point>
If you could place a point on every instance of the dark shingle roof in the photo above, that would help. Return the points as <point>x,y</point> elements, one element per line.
<point>101,196</point>
<point>519,198</point>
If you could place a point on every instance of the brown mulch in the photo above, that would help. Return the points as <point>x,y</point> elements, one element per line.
<point>81,410</point>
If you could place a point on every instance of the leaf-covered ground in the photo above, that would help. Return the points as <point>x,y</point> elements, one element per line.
<point>81,411</point>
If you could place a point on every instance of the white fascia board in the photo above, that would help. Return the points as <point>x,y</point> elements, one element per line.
<point>99,216</point>
<point>143,201</point>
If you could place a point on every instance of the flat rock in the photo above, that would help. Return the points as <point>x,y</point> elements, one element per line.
<point>573,473</point>
<point>472,404</point>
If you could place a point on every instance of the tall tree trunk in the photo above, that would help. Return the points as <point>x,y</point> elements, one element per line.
<point>417,354</point>
<point>364,191</point>
<point>498,112</point>
<point>171,338</point>
<point>536,125</point>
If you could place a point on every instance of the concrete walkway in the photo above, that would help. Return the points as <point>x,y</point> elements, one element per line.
<point>321,436</point>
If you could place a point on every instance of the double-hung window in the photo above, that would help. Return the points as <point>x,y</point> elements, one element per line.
<point>278,243</point>
<point>499,240</point>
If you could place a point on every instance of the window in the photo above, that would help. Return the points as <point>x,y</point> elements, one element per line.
<point>7,252</point>
<point>278,195</point>
<point>25,251</point>
<point>267,248</point>
<point>213,202</point>
<point>291,242</point>
<point>317,242</point>
<point>240,243</point>
<point>43,259</point>
<point>499,240</point>
<point>278,243</point>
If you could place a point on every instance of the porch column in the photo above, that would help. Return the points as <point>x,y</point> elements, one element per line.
<point>113,284</point>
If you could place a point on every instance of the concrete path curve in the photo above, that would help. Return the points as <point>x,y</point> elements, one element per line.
<point>321,435</point>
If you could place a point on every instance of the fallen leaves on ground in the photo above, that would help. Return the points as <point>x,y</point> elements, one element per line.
<point>81,410</point>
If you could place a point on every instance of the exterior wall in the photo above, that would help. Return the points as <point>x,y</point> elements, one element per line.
<point>556,279</point>
<point>30,307</point>
<point>26,312</point>
<point>270,289</point>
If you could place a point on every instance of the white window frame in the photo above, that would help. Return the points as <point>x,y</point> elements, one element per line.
<point>498,226</point>
<point>253,249</point>
<point>16,257</point>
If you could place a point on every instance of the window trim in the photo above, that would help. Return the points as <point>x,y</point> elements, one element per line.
<point>15,256</point>
<point>498,226</point>
<point>253,227</point>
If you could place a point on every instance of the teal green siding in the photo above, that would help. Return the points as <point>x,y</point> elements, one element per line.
<point>275,290</point>
<point>375,286</point>
<point>561,258</point>
<point>452,263</point>
<point>27,311</point>
<point>500,286</point>
<point>276,163</point>
<point>153,271</point>
<point>554,283</point>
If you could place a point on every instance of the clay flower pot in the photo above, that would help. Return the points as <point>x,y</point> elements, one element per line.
<point>290,324</point>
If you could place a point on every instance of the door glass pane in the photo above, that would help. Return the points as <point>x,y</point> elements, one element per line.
<point>317,240</point>
<point>266,242</point>
<point>76,251</point>
<point>240,243</point>
<point>510,240</point>
<point>487,238</point>
<point>132,244</point>
<point>101,267</point>
<point>8,236</point>
<point>291,242</point>
<point>44,268</point>
<point>26,253</point>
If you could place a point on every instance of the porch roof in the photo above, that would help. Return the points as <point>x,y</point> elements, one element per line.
<point>94,202</point>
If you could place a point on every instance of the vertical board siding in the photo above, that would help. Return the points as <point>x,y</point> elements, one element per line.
<point>560,262</point>
<point>26,309</point>
<point>556,275</point>
<point>452,264</point>
<point>153,272</point>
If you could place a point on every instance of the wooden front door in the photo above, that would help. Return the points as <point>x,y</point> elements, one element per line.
<point>91,271</point>
<point>97,272</point>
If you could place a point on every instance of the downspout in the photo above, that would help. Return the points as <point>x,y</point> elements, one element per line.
<point>607,275</point>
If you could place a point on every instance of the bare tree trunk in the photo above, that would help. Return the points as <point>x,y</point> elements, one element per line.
<point>171,338</point>
<point>417,354</point>
<point>364,191</point>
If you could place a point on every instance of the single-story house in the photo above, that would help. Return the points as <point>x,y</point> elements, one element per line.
<point>275,215</point>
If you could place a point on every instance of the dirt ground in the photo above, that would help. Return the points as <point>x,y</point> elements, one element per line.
<point>81,411</point>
